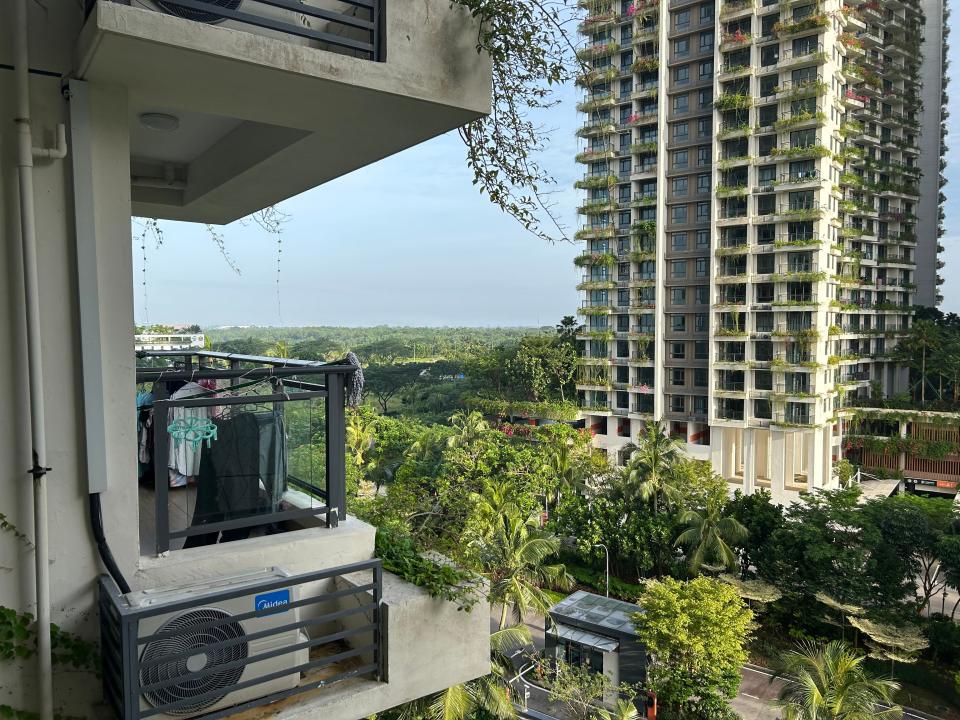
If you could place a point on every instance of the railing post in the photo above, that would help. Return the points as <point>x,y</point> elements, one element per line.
<point>336,450</point>
<point>161,483</point>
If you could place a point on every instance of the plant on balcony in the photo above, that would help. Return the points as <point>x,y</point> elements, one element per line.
<point>588,259</point>
<point>800,276</point>
<point>797,242</point>
<point>738,37</point>
<point>596,103</point>
<point>594,207</point>
<point>734,250</point>
<point>594,182</point>
<point>596,75</point>
<point>644,227</point>
<point>592,52</point>
<point>729,162</point>
<point>646,65</point>
<point>591,155</point>
<point>817,151</point>
<point>729,190</point>
<point>729,130</point>
<point>799,118</point>
<point>733,101</point>
<point>643,147</point>
<point>599,231</point>
<point>818,20</point>
<point>853,95</point>
<point>642,256</point>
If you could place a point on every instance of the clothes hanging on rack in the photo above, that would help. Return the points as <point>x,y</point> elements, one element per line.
<point>241,475</point>
<point>184,458</point>
<point>144,433</point>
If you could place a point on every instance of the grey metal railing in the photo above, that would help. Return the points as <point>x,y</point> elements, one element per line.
<point>286,386</point>
<point>360,31</point>
<point>340,631</point>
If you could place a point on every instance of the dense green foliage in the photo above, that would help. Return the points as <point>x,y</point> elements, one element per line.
<point>697,632</point>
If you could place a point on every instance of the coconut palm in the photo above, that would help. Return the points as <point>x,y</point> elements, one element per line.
<point>467,428</point>
<point>360,435</point>
<point>708,537</point>
<point>650,473</point>
<point>514,554</point>
<point>622,710</point>
<point>829,682</point>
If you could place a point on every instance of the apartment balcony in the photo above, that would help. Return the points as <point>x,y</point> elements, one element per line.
<point>245,472</point>
<point>231,110</point>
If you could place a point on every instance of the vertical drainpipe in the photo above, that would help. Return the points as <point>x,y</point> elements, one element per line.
<point>25,155</point>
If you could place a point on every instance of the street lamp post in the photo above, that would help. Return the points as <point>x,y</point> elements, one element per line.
<point>606,552</point>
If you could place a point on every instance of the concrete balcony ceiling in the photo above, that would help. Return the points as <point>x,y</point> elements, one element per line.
<point>262,117</point>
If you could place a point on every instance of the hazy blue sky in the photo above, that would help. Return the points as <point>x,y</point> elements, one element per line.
<point>407,241</point>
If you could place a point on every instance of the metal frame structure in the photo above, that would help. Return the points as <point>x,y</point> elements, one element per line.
<point>372,24</point>
<point>196,366</point>
<point>121,642</point>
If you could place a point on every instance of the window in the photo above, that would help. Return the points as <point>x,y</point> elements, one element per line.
<point>766,143</point>
<point>681,19</point>
<point>767,85</point>
<point>767,115</point>
<point>706,13</point>
<point>680,159</point>
<point>703,183</point>
<point>805,45</point>
<point>767,23</point>
<point>678,214</point>
<point>700,322</point>
<point>678,269</point>
<point>764,264</point>
<point>706,41</point>
<point>766,204</point>
<point>700,350</point>
<point>678,241</point>
<point>624,218</point>
<point>681,130</point>
<point>701,267</point>
<point>623,348</point>
<point>703,239</point>
<point>681,47</point>
<point>769,55</point>
<point>678,351</point>
<point>678,323</point>
<point>703,127</point>
<point>681,75</point>
<point>700,377</point>
<point>681,103</point>
<point>803,138</point>
<point>766,174</point>
<point>706,69</point>
<point>626,87</point>
<point>703,212</point>
<point>701,294</point>
<point>703,155</point>
<point>678,296</point>
<point>625,166</point>
<point>680,186</point>
<point>677,403</point>
<point>704,97</point>
<point>678,376</point>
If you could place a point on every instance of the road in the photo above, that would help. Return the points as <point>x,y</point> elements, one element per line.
<point>758,690</point>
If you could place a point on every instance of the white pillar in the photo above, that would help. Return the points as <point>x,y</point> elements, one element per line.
<point>749,461</point>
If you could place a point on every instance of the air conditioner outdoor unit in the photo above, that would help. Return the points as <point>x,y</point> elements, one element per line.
<point>192,645</point>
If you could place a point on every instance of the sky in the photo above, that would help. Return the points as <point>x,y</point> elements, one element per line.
<point>407,241</point>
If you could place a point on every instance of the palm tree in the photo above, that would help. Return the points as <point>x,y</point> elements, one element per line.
<point>280,349</point>
<point>708,537</point>
<point>359,435</point>
<point>561,465</point>
<point>650,471</point>
<point>924,338</point>
<point>829,682</point>
<point>468,427</point>
<point>622,710</point>
<point>514,554</point>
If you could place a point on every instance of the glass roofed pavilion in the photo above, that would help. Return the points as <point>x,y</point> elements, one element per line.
<point>597,633</point>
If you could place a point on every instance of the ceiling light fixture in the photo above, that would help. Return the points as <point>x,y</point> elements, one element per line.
<point>159,121</point>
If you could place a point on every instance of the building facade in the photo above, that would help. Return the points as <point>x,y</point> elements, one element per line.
<point>752,175</point>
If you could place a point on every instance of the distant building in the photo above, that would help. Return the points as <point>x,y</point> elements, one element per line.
<point>168,341</point>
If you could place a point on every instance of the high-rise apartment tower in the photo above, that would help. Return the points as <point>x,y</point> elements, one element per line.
<point>752,178</point>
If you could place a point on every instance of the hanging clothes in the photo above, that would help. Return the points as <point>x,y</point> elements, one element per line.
<point>184,458</point>
<point>144,432</point>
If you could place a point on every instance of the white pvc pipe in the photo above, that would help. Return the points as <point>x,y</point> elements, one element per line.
<point>35,366</point>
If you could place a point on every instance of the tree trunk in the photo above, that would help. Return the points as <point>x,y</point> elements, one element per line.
<point>923,377</point>
<point>503,616</point>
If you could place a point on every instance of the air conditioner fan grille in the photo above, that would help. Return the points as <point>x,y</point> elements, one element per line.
<point>200,15</point>
<point>205,658</point>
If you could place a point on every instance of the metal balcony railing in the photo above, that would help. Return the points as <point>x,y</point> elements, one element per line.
<point>213,429</point>
<point>358,30</point>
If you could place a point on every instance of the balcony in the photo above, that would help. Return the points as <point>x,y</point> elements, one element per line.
<point>252,521</point>
<point>231,110</point>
